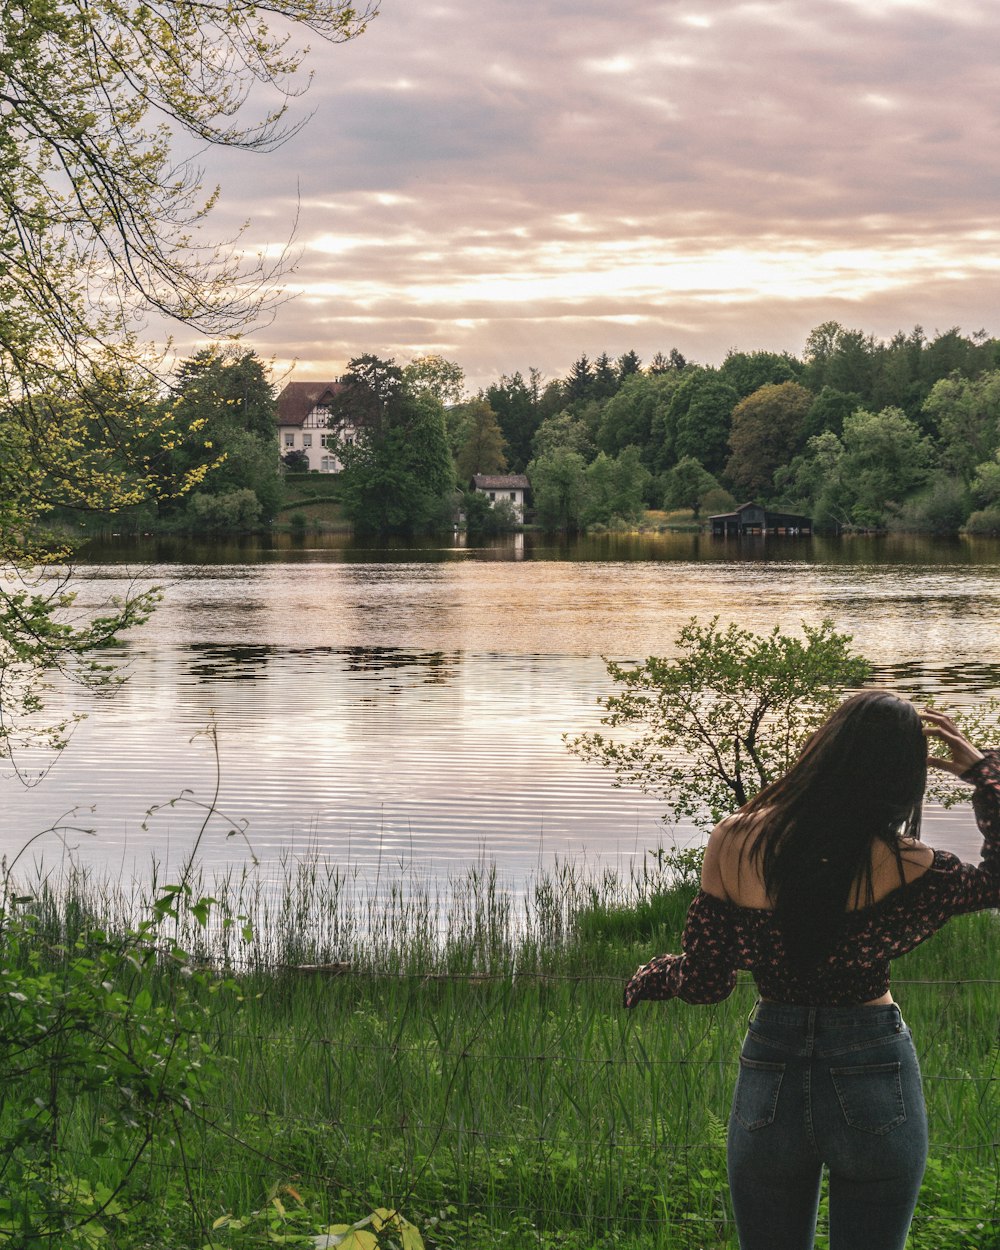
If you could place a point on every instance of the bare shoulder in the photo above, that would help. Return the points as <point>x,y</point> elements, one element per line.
<point>917,857</point>
<point>724,871</point>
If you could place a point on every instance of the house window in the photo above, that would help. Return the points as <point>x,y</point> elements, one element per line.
<point>328,464</point>
<point>289,440</point>
<point>328,440</point>
<point>513,494</point>
<point>493,495</point>
<point>307,440</point>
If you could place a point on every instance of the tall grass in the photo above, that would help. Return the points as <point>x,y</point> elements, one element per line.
<point>460,1052</point>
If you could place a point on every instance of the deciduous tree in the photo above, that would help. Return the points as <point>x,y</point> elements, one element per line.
<point>687,484</point>
<point>398,474</point>
<point>765,432</point>
<point>747,372</point>
<point>616,488</point>
<point>966,417</point>
<point>700,413</point>
<point>885,459</point>
<point>482,449</point>
<point>225,395</point>
<point>708,727</point>
<point>105,224</point>
<point>444,379</point>
<point>559,489</point>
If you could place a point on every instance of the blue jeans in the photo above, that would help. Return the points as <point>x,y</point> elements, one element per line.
<point>838,1086</point>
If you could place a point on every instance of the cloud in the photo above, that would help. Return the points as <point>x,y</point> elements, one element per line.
<point>515,183</point>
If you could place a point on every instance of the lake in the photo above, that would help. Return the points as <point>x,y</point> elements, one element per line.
<point>402,708</point>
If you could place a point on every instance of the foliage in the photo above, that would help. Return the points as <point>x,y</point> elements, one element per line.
<point>986,521</point>
<point>296,461</point>
<point>615,488</point>
<point>564,431</point>
<point>516,403</point>
<point>482,447</point>
<point>715,500</point>
<point>885,459</point>
<point>225,395</point>
<point>627,365</point>
<point>864,472</point>
<point>402,1082</point>
<point>287,1220</point>
<point>708,729</point>
<point>580,383</point>
<point>688,485</point>
<point>444,379</point>
<point>636,416</point>
<point>485,517</point>
<point>766,427</point>
<point>559,489</point>
<point>367,392</point>
<point>941,508</point>
<point>747,372</point>
<point>222,511</point>
<point>815,480</point>
<point>105,225</point>
<point>966,414</point>
<point>398,473</point>
<point>827,413</point>
<point>700,413</point>
<point>118,1022</point>
<point>105,222</point>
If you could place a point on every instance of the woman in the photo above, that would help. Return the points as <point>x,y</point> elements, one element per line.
<point>814,886</point>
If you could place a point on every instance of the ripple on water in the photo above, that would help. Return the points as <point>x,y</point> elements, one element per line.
<point>415,712</point>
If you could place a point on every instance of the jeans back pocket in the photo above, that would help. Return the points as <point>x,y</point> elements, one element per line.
<point>756,1099</point>
<point>871,1096</point>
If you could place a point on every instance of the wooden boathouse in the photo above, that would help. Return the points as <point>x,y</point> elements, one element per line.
<point>751,518</point>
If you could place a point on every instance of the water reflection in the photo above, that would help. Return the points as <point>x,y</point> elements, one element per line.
<point>862,549</point>
<point>371,703</point>
<point>233,663</point>
<point>919,679</point>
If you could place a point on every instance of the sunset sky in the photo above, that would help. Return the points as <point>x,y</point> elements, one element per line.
<point>511,184</point>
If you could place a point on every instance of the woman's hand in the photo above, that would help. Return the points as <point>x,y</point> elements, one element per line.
<point>961,753</point>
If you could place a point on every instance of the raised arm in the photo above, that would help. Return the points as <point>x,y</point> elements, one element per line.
<point>973,887</point>
<point>705,972</point>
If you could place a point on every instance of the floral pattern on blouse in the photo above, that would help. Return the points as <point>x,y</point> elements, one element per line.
<point>721,937</point>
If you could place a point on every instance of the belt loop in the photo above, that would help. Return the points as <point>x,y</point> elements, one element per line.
<point>810,1030</point>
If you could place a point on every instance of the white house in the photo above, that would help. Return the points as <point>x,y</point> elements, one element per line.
<point>304,410</point>
<point>511,486</point>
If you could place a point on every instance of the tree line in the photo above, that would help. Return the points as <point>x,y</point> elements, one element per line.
<point>857,432</point>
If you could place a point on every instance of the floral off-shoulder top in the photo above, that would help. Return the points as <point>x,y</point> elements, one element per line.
<point>721,937</point>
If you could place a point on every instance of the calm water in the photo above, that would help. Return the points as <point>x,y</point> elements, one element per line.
<point>404,707</point>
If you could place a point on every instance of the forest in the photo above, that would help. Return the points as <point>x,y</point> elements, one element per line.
<point>856,432</point>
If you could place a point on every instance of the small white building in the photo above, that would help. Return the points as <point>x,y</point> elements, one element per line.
<point>304,412</point>
<point>511,486</point>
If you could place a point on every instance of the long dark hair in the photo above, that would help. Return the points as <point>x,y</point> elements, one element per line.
<point>859,781</point>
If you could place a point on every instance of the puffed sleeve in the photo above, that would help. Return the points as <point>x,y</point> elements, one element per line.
<point>706,971</point>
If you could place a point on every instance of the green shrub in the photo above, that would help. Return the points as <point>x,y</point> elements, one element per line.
<point>986,521</point>
<point>230,510</point>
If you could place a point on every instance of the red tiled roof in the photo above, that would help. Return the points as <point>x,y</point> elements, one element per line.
<point>298,399</point>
